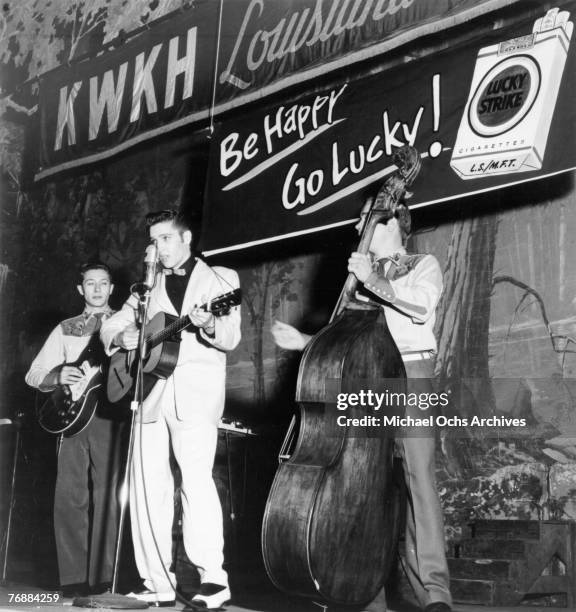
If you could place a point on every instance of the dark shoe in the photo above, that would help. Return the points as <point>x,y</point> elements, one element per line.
<point>438,606</point>
<point>76,589</point>
<point>210,596</point>
<point>159,599</point>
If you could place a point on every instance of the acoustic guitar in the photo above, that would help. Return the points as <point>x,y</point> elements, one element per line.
<point>161,348</point>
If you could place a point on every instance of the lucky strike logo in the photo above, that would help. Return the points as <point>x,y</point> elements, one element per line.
<point>504,96</point>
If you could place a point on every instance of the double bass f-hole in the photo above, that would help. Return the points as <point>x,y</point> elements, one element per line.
<point>289,441</point>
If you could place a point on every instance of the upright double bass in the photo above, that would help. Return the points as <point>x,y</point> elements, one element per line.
<point>332,517</point>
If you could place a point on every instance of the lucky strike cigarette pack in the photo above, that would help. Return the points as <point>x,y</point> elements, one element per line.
<point>505,125</point>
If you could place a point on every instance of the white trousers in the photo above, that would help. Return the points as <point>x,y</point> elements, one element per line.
<point>152,500</point>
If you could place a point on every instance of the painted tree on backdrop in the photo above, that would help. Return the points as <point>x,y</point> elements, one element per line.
<point>39,35</point>
<point>463,332</point>
<point>462,327</point>
<point>267,287</point>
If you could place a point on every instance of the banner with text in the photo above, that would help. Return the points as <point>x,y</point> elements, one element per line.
<point>146,87</point>
<point>486,115</point>
<point>167,77</point>
<point>267,44</point>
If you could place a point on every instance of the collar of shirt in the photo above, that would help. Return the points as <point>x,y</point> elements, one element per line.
<point>99,314</point>
<point>386,266</point>
<point>89,322</point>
<point>395,257</point>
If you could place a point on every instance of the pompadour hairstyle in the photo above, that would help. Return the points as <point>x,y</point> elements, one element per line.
<point>94,265</point>
<point>159,216</point>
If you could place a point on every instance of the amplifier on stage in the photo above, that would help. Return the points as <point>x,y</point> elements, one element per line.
<point>235,427</point>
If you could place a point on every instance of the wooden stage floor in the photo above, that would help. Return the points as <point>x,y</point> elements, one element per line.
<point>266,599</point>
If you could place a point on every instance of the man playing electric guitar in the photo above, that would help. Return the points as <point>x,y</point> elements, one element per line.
<point>85,552</point>
<point>182,410</point>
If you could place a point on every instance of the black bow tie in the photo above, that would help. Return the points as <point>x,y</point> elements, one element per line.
<point>176,271</point>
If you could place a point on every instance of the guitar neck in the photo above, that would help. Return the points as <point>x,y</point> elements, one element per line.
<point>218,307</point>
<point>171,330</point>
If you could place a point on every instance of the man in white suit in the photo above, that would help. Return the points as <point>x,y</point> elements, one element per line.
<point>184,411</point>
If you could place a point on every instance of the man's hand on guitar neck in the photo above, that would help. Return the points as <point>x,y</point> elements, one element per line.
<point>127,338</point>
<point>204,319</point>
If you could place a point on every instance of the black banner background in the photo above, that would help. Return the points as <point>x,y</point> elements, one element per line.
<point>263,208</point>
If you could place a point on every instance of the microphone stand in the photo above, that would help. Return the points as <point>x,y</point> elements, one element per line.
<point>16,424</point>
<point>111,599</point>
<point>136,408</point>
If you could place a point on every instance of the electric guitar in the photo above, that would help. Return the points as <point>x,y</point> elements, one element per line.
<point>161,348</point>
<point>70,408</point>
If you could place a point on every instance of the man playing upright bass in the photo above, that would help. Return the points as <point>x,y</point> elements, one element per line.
<point>408,288</point>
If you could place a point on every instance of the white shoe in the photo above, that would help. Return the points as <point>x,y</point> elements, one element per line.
<point>211,596</point>
<point>160,599</point>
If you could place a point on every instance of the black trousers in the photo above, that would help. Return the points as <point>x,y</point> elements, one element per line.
<point>86,503</point>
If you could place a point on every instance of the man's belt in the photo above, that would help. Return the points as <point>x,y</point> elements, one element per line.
<point>417,355</point>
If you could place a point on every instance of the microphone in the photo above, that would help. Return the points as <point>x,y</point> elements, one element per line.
<point>151,261</point>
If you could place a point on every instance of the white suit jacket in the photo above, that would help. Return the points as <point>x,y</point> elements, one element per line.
<point>197,386</point>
